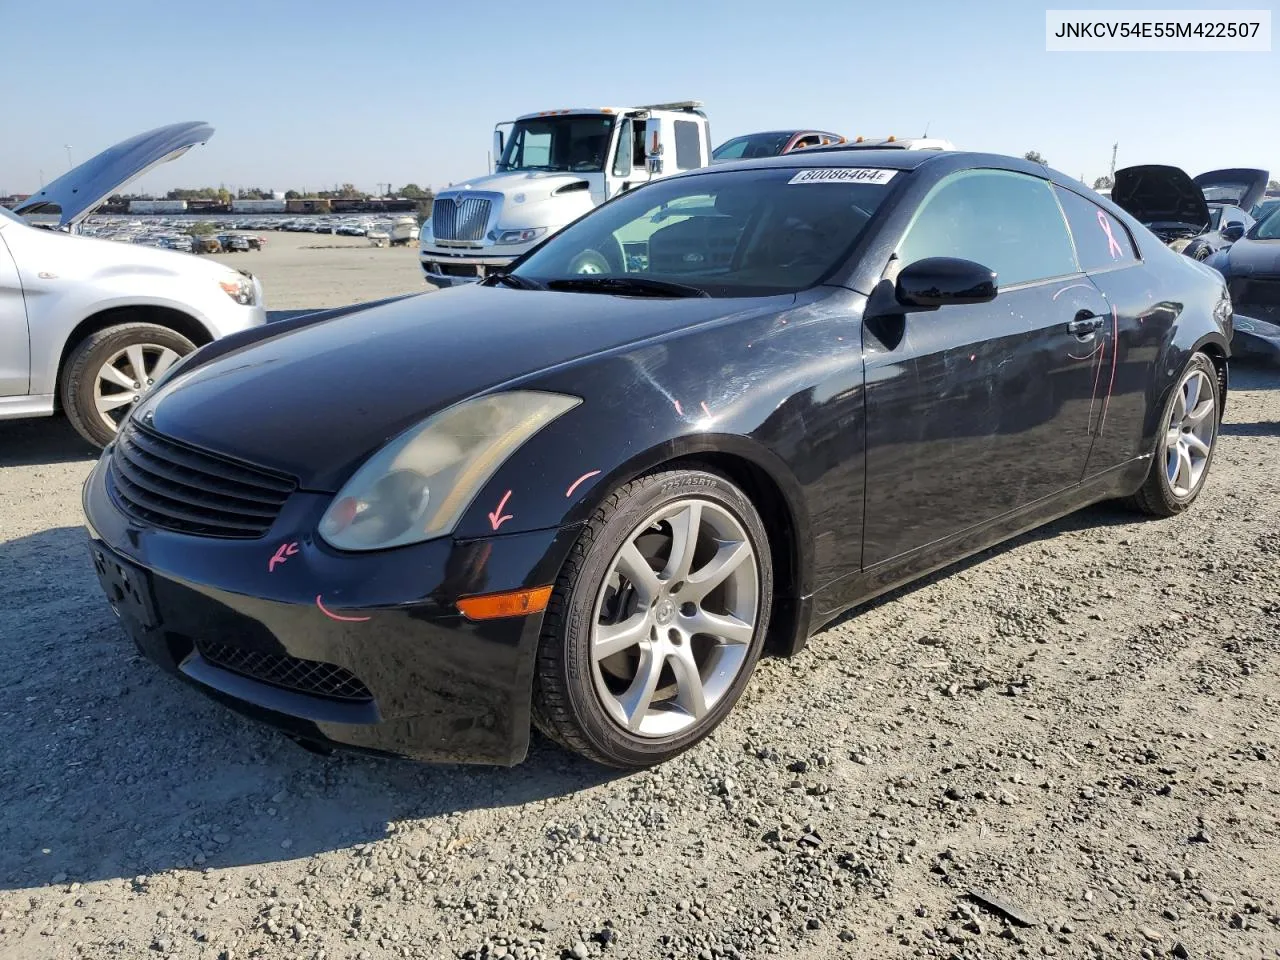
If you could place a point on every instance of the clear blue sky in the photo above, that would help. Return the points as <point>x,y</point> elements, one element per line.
<point>306,94</point>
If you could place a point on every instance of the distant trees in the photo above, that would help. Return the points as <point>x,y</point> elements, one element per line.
<point>1034,156</point>
<point>411,191</point>
<point>1273,186</point>
<point>253,193</point>
<point>1103,183</point>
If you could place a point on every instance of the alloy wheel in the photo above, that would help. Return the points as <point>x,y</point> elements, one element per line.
<point>1189,435</point>
<point>674,618</point>
<point>126,376</point>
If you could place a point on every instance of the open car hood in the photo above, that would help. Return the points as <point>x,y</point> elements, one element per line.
<point>76,194</point>
<point>1158,194</point>
<point>1241,186</point>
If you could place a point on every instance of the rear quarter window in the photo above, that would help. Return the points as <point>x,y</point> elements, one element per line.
<point>1102,242</point>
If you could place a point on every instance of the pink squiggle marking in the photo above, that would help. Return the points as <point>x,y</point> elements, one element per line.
<point>679,412</point>
<point>1093,399</point>
<point>1115,350</point>
<point>286,551</point>
<point>1071,287</point>
<point>1113,245</point>
<point>333,616</point>
<point>574,486</point>
<point>1087,356</point>
<point>704,408</point>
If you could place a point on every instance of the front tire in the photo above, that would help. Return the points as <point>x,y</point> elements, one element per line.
<point>109,370</point>
<point>1185,444</point>
<point>656,621</point>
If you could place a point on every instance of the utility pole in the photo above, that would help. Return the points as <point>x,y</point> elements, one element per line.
<point>1114,148</point>
<point>67,147</point>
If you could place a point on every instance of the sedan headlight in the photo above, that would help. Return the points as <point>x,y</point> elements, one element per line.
<point>523,235</point>
<point>239,288</point>
<point>418,485</point>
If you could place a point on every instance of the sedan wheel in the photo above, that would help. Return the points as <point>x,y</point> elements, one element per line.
<point>1189,437</point>
<point>657,620</point>
<point>110,370</point>
<point>1186,442</point>
<point>674,618</point>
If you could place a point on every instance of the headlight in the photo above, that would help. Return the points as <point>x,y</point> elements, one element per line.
<point>521,236</point>
<point>418,485</point>
<point>239,288</point>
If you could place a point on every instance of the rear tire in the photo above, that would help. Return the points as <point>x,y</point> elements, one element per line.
<point>627,674</point>
<point>1185,443</point>
<point>86,365</point>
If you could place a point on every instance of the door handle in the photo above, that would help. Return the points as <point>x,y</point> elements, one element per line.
<point>1085,323</point>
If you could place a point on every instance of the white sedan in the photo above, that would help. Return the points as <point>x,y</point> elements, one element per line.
<point>87,325</point>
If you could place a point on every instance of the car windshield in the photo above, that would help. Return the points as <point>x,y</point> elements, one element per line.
<point>1225,192</point>
<point>730,234</point>
<point>572,142</point>
<point>1268,228</point>
<point>751,147</point>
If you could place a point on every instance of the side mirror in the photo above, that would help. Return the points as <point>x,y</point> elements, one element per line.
<point>1233,231</point>
<point>940,281</point>
<point>498,145</point>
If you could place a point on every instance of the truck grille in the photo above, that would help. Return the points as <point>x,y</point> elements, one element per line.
<point>312,677</point>
<point>180,488</point>
<point>464,219</point>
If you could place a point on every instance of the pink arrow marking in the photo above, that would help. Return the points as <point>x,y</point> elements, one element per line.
<point>679,412</point>
<point>333,616</point>
<point>286,551</point>
<point>574,486</point>
<point>704,408</point>
<point>498,518</point>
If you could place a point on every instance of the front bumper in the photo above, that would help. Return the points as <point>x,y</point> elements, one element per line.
<point>1256,338</point>
<point>448,270</point>
<point>440,687</point>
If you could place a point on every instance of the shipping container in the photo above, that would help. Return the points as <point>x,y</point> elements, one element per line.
<point>157,206</point>
<point>258,206</point>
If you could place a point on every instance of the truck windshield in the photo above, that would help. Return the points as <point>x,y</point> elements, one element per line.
<point>741,233</point>
<point>577,143</point>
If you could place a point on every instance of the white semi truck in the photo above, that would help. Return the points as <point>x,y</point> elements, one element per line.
<point>551,168</point>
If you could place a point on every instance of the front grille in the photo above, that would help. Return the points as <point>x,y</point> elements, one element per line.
<point>171,485</point>
<point>467,219</point>
<point>293,673</point>
<point>457,269</point>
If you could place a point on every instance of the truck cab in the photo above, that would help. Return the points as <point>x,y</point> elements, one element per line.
<point>551,168</point>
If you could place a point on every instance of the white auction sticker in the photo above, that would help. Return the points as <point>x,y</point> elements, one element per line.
<point>843,175</point>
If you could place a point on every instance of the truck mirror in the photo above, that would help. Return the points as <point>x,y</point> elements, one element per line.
<point>497,145</point>
<point>653,164</point>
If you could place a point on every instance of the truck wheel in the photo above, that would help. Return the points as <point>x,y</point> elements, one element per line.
<point>110,370</point>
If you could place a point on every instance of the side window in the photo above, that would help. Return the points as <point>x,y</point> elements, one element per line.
<point>1101,240</point>
<point>688,152</point>
<point>1006,221</point>
<point>622,157</point>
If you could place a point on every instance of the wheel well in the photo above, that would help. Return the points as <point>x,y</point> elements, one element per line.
<point>784,622</point>
<point>175,320</point>
<point>1219,358</point>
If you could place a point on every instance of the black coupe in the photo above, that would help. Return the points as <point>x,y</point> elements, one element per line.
<point>1252,270</point>
<point>695,425</point>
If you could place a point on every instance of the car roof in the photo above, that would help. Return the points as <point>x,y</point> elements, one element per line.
<point>850,155</point>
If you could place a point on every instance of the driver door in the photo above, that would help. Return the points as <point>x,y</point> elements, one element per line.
<point>627,168</point>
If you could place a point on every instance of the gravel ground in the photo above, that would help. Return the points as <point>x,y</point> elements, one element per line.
<point>1067,746</point>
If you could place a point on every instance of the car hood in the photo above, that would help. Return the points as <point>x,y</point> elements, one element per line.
<point>1160,194</point>
<point>315,401</point>
<point>76,194</point>
<point>534,184</point>
<point>1241,186</point>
